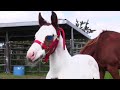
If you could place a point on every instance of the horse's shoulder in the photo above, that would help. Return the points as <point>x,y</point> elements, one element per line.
<point>83,58</point>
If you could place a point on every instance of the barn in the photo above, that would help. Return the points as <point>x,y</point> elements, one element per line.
<point>16,38</point>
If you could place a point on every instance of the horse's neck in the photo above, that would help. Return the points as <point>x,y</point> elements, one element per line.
<point>60,57</point>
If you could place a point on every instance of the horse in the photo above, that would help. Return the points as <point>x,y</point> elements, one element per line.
<point>105,50</point>
<point>49,45</point>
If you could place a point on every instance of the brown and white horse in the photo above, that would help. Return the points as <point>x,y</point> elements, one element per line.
<point>50,44</point>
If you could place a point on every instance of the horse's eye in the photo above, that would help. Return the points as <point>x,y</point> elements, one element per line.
<point>49,37</point>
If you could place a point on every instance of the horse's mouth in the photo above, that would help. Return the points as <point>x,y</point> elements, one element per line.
<point>35,62</point>
<point>32,63</point>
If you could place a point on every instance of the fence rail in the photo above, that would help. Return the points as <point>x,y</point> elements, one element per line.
<point>18,50</point>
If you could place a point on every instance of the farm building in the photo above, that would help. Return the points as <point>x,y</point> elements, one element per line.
<point>16,38</point>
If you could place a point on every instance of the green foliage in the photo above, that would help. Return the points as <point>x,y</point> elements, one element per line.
<point>84,26</point>
<point>108,76</point>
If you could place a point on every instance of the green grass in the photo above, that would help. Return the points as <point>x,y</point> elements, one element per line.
<point>35,76</point>
<point>26,76</point>
<point>108,76</point>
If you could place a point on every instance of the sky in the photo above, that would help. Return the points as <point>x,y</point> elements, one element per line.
<point>98,20</point>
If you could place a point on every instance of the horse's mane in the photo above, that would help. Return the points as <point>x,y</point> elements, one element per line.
<point>92,41</point>
<point>89,43</point>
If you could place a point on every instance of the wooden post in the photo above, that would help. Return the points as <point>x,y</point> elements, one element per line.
<point>7,54</point>
<point>72,42</point>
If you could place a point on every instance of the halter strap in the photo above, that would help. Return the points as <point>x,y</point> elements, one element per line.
<point>40,43</point>
<point>53,45</point>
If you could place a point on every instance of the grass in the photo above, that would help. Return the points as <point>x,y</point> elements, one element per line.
<point>108,76</point>
<point>35,76</point>
<point>26,76</point>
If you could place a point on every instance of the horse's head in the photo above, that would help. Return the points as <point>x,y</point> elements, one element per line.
<point>44,37</point>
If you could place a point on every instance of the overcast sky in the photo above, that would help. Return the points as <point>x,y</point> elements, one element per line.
<point>99,20</point>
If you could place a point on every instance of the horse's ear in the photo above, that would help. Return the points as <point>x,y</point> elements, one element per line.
<point>41,20</point>
<point>54,19</point>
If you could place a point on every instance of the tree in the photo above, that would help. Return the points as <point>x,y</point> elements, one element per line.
<point>86,29</point>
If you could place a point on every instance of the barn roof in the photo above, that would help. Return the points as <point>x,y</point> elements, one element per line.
<point>62,22</point>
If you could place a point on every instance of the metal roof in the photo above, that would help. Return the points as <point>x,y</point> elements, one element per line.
<point>33,23</point>
<point>18,24</point>
<point>65,21</point>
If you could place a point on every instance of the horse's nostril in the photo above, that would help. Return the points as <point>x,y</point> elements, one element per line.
<point>33,54</point>
<point>30,56</point>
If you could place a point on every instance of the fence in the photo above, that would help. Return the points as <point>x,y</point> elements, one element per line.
<point>18,50</point>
